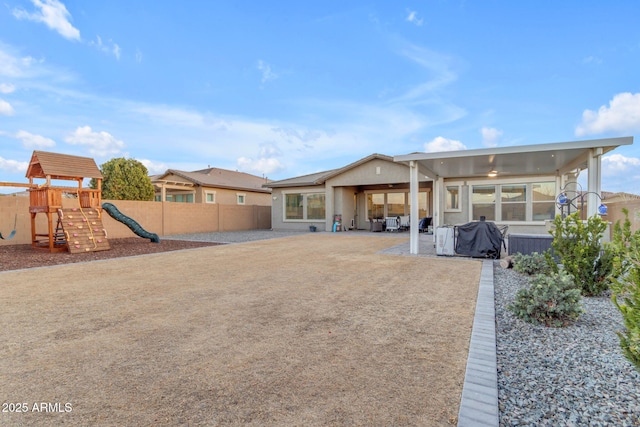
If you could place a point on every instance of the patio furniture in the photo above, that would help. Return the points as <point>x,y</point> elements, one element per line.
<point>392,223</point>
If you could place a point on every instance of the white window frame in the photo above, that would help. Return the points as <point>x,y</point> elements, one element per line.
<point>498,204</point>
<point>206,196</point>
<point>446,193</point>
<point>244,198</point>
<point>304,194</point>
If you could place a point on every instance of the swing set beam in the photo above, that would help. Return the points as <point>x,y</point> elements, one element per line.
<point>17,184</point>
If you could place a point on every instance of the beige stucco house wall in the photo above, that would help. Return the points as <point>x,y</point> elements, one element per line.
<point>347,192</point>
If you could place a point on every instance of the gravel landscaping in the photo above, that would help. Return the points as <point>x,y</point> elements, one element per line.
<point>572,376</point>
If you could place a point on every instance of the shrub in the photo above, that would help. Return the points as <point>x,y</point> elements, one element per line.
<point>552,300</point>
<point>535,263</point>
<point>578,245</point>
<point>626,289</point>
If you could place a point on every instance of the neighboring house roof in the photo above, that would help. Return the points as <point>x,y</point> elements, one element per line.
<point>61,166</point>
<point>618,197</point>
<point>320,178</point>
<point>216,178</point>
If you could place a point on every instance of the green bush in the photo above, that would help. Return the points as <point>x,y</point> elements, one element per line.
<point>535,263</point>
<point>583,256</point>
<point>626,288</point>
<point>553,300</point>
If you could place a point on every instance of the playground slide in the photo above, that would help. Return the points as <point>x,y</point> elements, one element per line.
<point>111,209</point>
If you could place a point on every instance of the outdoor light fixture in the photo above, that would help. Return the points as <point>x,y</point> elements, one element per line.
<point>493,173</point>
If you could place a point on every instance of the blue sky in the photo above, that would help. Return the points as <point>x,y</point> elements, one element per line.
<point>284,88</point>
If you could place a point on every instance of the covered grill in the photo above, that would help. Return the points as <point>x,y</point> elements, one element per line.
<point>480,239</point>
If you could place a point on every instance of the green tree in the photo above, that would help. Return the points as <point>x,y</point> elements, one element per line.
<point>124,179</point>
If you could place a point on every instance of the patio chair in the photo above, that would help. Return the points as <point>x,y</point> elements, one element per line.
<point>392,223</point>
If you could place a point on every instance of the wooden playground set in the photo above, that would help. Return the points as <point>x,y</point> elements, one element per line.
<point>74,229</point>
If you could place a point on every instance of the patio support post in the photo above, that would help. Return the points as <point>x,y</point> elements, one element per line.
<point>438,189</point>
<point>594,167</point>
<point>414,220</point>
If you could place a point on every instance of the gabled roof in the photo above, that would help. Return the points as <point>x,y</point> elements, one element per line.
<point>61,166</point>
<point>320,178</point>
<point>217,178</point>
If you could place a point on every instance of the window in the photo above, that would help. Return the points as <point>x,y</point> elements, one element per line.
<point>210,197</point>
<point>304,206</point>
<point>543,195</point>
<point>513,202</point>
<point>395,204</point>
<point>483,202</point>
<point>315,206</point>
<point>375,205</point>
<point>452,194</point>
<point>240,198</point>
<point>180,198</point>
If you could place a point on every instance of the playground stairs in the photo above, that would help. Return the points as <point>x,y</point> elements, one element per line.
<point>83,230</point>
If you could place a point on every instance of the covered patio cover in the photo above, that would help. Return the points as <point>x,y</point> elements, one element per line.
<point>559,159</point>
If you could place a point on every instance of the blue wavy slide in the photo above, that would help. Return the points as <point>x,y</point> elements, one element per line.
<point>111,209</point>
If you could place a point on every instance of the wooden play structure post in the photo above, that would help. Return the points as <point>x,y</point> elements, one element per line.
<point>47,199</point>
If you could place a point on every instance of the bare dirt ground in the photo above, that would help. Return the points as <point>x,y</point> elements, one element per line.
<point>313,330</point>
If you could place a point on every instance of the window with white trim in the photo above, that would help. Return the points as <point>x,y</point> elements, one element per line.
<point>304,206</point>
<point>452,198</point>
<point>210,197</point>
<point>241,198</point>
<point>513,202</point>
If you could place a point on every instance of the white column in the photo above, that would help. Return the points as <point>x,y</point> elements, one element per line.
<point>414,186</point>
<point>438,188</point>
<point>594,170</point>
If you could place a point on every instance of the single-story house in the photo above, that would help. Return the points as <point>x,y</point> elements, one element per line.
<point>516,186</point>
<point>361,193</point>
<point>211,185</point>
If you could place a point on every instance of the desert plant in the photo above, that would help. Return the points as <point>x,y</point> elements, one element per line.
<point>583,256</point>
<point>626,288</point>
<point>534,263</point>
<point>553,300</point>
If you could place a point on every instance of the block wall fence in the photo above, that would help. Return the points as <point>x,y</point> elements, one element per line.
<point>162,218</point>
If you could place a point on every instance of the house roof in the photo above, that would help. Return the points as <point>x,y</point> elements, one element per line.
<point>320,178</point>
<point>215,177</point>
<point>61,166</point>
<point>540,159</point>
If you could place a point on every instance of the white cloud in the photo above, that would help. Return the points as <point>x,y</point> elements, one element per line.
<point>13,166</point>
<point>7,88</point>
<point>31,141</point>
<point>109,47</point>
<point>138,56</point>
<point>617,164</point>
<point>54,15</point>
<point>413,18</point>
<point>263,166</point>
<point>443,144</point>
<point>154,167</point>
<point>265,69</point>
<point>100,143</point>
<point>5,108</point>
<point>621,116</point>
<point>266,163</point>
<point>490,136</point>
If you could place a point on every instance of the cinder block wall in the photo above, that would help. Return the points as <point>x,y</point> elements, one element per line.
<point>163,219</point>
<point>615,214</point>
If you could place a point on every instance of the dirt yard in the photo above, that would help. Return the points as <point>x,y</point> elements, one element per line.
<point>313,330</point>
